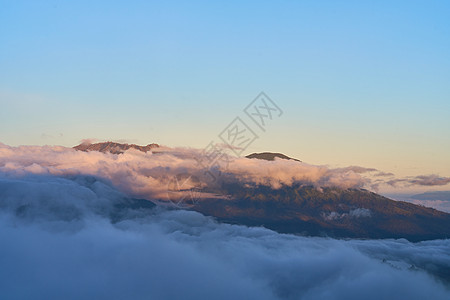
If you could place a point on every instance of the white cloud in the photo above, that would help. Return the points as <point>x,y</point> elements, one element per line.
<point>58,242</point>
<point>353,213</point>
<point>148,174</point>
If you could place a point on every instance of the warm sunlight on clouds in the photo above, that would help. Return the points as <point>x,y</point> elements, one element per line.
<point>148,174</point>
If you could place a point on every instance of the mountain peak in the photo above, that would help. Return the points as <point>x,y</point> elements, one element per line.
<point>270,156</point>
<point>113,147</point>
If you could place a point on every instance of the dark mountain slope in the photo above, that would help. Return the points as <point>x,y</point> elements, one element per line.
<point>351,213</point>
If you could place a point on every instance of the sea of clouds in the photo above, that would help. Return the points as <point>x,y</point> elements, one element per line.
<point>63,237</point>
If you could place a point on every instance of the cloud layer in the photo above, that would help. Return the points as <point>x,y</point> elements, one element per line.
<point>58,241</point>
<point>149,174</point>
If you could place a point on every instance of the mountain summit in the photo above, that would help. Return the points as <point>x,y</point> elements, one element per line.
<point>114,148</point>
<point>270,156</point>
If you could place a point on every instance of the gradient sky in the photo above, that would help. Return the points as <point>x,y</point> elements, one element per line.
<point>359,83</point>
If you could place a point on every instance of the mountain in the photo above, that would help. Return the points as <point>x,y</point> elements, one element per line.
<point>309,210</point>
<point>269,156</point>
<point>112,147</point>
<point>333,212</point>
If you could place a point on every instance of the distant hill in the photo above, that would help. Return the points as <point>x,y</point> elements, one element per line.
<point>439,195</point>
<point>112,147</point>
<point>269,156</point>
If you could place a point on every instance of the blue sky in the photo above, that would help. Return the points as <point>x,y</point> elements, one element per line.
<point>359,83</point>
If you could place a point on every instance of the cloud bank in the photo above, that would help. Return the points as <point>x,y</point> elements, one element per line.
<point>148,175</point>
<point>59,242</point>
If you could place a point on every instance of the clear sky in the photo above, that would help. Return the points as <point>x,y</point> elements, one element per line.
<point>360,82</point>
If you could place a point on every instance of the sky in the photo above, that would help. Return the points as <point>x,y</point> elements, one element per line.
<point>358,83</point>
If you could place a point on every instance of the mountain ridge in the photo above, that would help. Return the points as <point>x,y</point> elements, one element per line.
<point>270,156</point>
<point>328,211</point>
<point>113,147</point>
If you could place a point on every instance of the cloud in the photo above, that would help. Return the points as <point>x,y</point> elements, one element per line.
<point>148,174</point>
<point>422,180</point>
<point>286,172</point>
<point>354,213</point>
<point>59,241</point>
<point>358,169</point>
<point>384,174</point>
<point>430,180</point>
